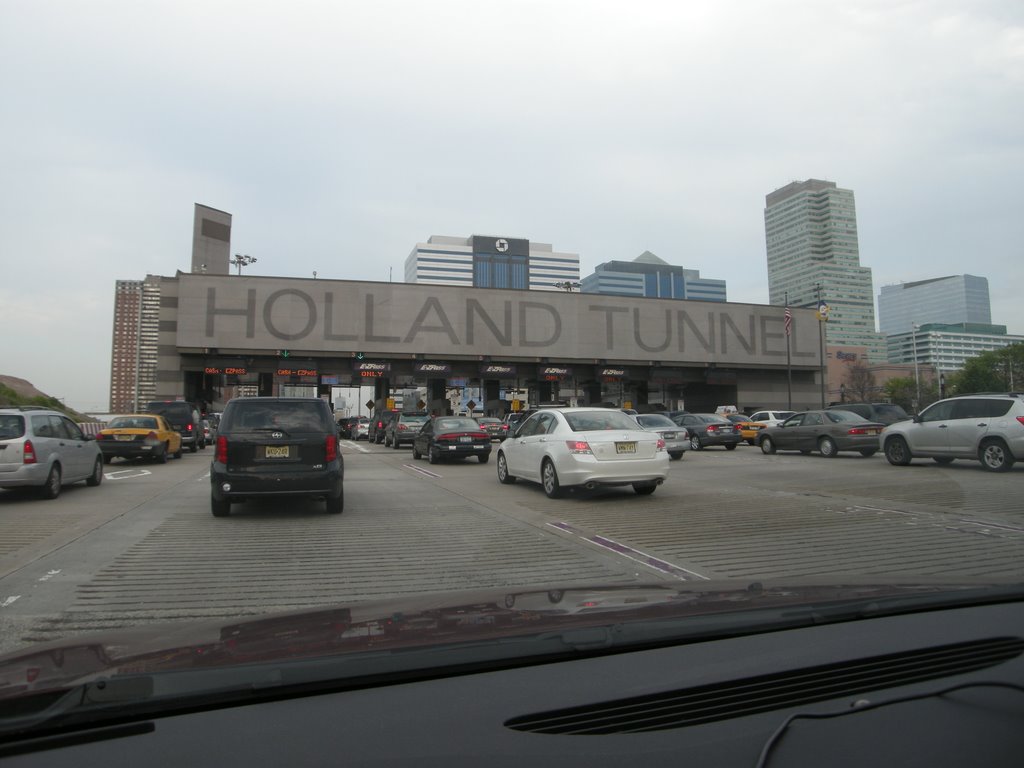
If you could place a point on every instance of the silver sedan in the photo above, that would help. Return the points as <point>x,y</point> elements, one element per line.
<point>583,447</point>
<point>677,439</point>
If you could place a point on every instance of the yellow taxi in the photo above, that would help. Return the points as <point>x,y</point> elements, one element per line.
<point>139,436</point>
<point>748,427</point>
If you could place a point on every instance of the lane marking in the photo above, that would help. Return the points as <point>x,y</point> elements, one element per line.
<point>49,575</point>
<point>355,445</point>
<point>987,524</point>
<point>633,554</point>
<point>9,601</point>
<point>122,474</point>
<point>422,471</point>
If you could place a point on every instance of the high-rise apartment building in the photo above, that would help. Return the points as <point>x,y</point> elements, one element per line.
<point>950,300</point>
<point>133,358</point>
<point>491,262</point>
<point>648,275</point>
<point>811,237</point>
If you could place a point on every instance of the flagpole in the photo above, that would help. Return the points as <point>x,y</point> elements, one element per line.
<point>821,345</point>
<point>789,367</point>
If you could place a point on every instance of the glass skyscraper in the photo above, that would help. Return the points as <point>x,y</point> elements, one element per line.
<point>811,237</point>
<point>947,300</point>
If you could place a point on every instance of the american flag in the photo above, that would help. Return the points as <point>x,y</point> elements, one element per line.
<point>788,321</point>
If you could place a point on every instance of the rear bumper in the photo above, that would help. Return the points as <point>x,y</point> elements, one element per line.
<point>129,450</point>
<point>587,472</point>
<point>25,475</point>
<point>235,486</point>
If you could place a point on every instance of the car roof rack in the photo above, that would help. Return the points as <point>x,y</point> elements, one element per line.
<point>28,407</point>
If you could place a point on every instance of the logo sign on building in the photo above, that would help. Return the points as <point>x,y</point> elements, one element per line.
<point>611,374</point>
<point>554,372</point>
<point>370,370</point>
<point>432,369</point>
<point>505,246</point>
<point>497,371</point>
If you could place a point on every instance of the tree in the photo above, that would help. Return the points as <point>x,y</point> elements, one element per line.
<point>903,392</point>
<point>859,382</point>
<point>1001,370</point>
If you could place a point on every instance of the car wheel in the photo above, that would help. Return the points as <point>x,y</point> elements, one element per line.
<point>395,444</point>
<point>192,448</point>
<point>483,458</point>
<point>97,473</point>
<point>178,453</point>
<point>336,504</point>
<point>995,457</point>
<point>695,444</point>
<point>510,600</point>
<point>897,452</point>
<point>202,446</point>
<point>433,456</point>
<point>868,452</point>
<point>828,447</point>
<point>107,459</point>
<point>676,455</point>
<point>220,507</point>
<point>161,457</point>
<point>415,453</point>
<point>549,479</point>
<point>503,475</point>
<point>731,446</point>
<point>942,459</point>
<point>555,595</point>
<point>767,445</point>
<point>51,488</point>
<point>644,489</point>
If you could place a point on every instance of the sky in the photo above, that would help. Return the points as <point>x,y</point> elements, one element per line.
<point>339,134</point>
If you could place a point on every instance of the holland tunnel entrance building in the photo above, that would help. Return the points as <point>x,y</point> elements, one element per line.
<point>221,334</point>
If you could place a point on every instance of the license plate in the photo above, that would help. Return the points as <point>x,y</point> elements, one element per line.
<point>276,451</point>
<point>125,437</point>
<point>874,431</point>
<point>625,447</point>
<point>465,439</point>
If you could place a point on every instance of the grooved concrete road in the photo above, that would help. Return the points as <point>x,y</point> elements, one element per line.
<point>143,547</point>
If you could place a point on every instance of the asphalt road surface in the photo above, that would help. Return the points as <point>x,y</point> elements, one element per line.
<point>143,547</point>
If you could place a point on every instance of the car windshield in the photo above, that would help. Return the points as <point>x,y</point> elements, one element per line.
<point>842,417</point>
<point>588,421</point>
<point>455,425</point>
<point>133,422</point>
<point>655,421</point>
<point>11,426</point>
<point>482,293</point>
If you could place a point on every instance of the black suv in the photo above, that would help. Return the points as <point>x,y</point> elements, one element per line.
<point>184,417</point>
<point>276,446</point>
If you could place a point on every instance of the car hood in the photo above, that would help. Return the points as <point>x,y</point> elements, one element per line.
<point>450,619</point>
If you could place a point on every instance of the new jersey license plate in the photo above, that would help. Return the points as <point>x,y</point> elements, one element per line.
<point>277,451</point>
<point>625,447</point>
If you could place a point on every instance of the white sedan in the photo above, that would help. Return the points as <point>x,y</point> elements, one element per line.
<point>588,447</point>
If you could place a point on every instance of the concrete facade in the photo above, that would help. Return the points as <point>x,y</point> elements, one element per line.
<point>211,241</point>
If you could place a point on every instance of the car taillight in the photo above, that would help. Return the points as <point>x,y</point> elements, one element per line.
<point>856,431</point>
<point>101,436</point>
<point>1021,419</point>
<point>188,428</point>
<point>331,448</point>
<point>402,427</point>
<point>28,454</point>
<point>221,456</point>
<point>152,436</point>
<point>712,427</point>
<point>661,444</point>
<point>578,446</point>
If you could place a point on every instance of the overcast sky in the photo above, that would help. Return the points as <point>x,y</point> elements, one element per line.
<point>339,134</point>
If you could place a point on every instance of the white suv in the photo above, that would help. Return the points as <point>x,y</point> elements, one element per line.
<point>985,428</point>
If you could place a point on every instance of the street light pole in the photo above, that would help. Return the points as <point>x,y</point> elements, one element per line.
<point>917,375</point>
<point>242,260</point>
